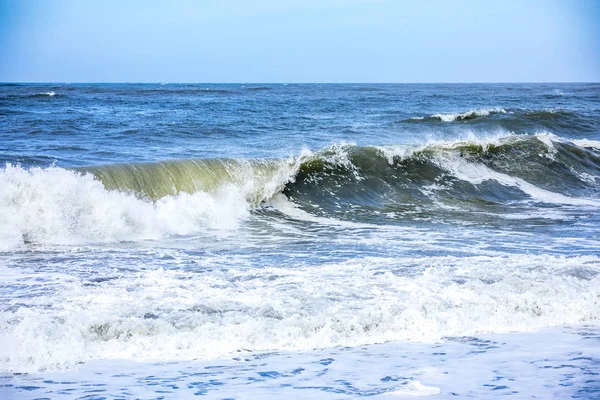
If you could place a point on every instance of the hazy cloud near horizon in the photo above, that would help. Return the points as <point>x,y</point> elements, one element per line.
<point>299,41</point>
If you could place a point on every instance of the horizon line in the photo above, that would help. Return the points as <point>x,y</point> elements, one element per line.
<point>294,83</point>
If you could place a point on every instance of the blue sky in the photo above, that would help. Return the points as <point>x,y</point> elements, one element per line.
<point>299,40</point>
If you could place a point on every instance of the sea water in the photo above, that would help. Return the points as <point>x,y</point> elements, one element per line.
<point>300,241</point>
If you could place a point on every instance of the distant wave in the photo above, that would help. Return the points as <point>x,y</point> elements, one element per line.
<point>186,90</point>
<point>469,114</point>
<point>531,115</point>
<point>258,88</point>
<point>544,114</point>
<point>451,117</point>
<point>201,90</point>
<point>45,94</point>
<point>517,119</point>
<point>39,95</point>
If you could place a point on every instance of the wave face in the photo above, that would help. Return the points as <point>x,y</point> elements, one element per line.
<point>462,181</point>
<point>132,201</point>
<point>448,179</point>
<point>256,179</point>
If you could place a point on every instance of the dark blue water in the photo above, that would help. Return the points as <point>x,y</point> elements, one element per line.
<point>84,124</point>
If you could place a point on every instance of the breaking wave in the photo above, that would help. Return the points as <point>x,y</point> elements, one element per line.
<point>457,180</point>
<point>517,119</point>
<point>450,117</point>
<point>131,201</point>
<point>45,94</point>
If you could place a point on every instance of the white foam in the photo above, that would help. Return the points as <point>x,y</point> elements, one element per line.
<point>47,94</point>
<point>476,173</point>
<point>405,151</point>
<point>553,364</point>
<point>283,204</point>
<point>415,389</point>
<point>450,117</point>
<point>163,315</point>
<point>587,143</point>
<point>54,205</point>
<point>548,139</point>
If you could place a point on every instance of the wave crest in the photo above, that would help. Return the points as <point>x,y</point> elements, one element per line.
<point>459,180</point>
<point>517,119</point>
<point>55,205</point>
<point>45,94</point>
<point>451,117</point>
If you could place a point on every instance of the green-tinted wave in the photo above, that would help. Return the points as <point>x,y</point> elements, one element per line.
<point>469,175</point>
<point>258,178</point>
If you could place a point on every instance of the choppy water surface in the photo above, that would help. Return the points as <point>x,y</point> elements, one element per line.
<point>308,241</point>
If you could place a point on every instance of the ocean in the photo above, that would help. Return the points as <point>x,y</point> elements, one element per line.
<point>299,241</point>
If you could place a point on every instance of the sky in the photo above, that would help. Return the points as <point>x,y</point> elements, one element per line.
<point>246,41</point>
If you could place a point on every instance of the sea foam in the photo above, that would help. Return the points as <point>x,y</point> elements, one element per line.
<point>55,205</point>
<point>161,315</point>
